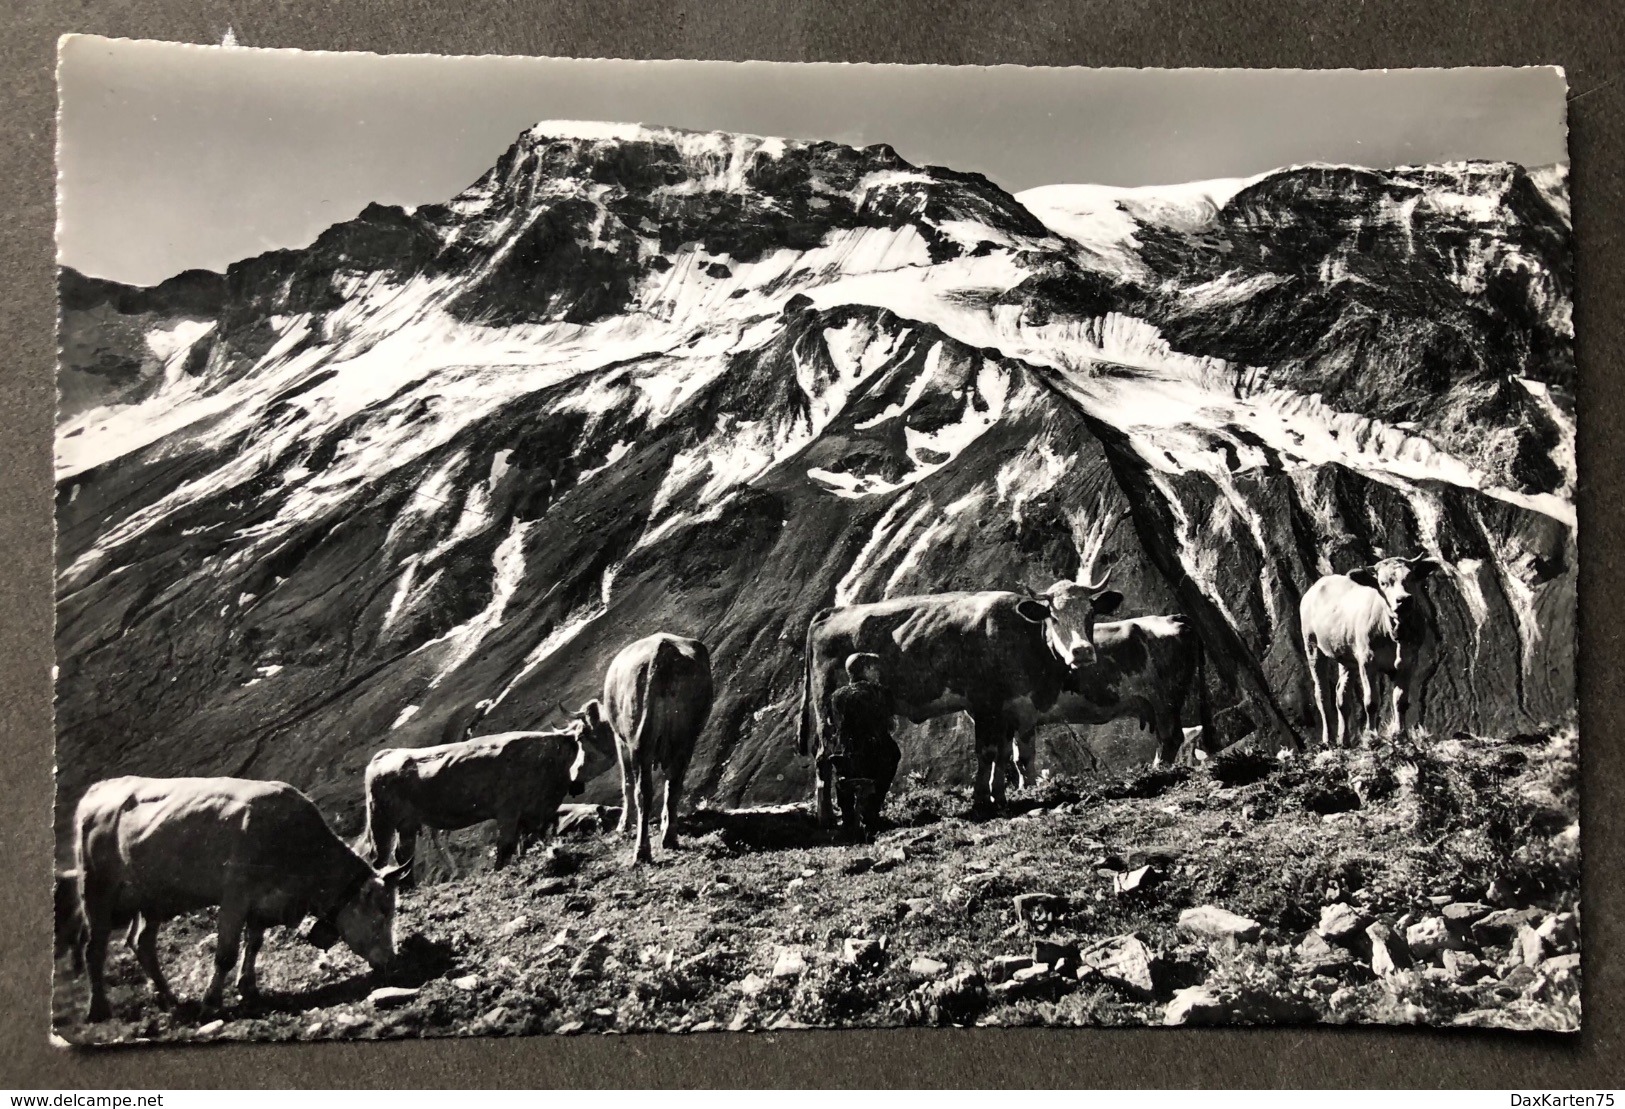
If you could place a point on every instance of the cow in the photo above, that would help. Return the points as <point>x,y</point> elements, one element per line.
<point>1369,623</point>
<point>1001,657</point>
<point>149,849</point>
<point>70,921</point>
<point>657,698</point>
<point>1144,668</point>
<point>517,779</point>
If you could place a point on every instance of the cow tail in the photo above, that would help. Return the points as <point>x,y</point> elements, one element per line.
<point>805,727</point>
<point>1204,709</point>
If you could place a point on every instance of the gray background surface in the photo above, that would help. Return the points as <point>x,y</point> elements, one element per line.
<point>1587,39</point>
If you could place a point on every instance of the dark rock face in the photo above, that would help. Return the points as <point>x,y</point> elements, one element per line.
<point>710,384</point>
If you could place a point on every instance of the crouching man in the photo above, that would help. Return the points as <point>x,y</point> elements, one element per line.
<point>863,759</point>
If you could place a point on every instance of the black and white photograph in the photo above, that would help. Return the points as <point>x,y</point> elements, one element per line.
<point>570,547</point>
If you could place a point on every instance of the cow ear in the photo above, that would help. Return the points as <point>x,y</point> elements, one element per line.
<point>1365,576</point>
<point>592,713</point>
<point>1035,612</point>
<point>1106,603</point>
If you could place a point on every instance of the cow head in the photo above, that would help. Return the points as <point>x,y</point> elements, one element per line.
<point>1067,612</point>
<point>595,746</point>
<point>367,920</point>
<point>1397,579</point>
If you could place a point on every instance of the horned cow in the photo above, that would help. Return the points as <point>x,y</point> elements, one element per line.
<point>1370,623</point>
<point>1001,657</point>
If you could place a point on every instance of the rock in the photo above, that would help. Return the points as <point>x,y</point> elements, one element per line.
<point>786,1021</point>
<point>1125,962</point>
<point>1059,954</point>
<point>795,884</point>
<point>1003,967</point>
<point>547,887</point>
<point>1323,984</point>
<point>589,963</point>
<point>1500,894</point>
<point>1560,931</point>
<point>497,1016</point>
<point>1515,981</point>
<point>211,1028</point>
<point>1341,923</point>
<point>918,906</point>
<point>1464,967</point>
<point>791,963</point>
<point>862,952</point>
<point>1429,936</point>
<point>923,966</point>
<point>316,1029</point>
<point>1557,963</point>
<point>809,872</point>
<point>569,1028</point>
<point>1440,900</point>
<point>1038,906</point>
<point>1389,954</point>
<point>1531,946</point>
<point>752,984</point>
<point>1195,1005</point>
<point>1209,922</point>
<point>954,1000</point>
<point>1501,926</point>
<point>515,926</point>
<point>705,1026</point>
<point>741,1020</point>
<point>467,983</point>
<point>1132,880</point>
<point>1341,998</point>
<point>858,864</point>
<point>389,997</point>
<point>349,1020</point>
<point>1460,916</point>
<point>1320,956</point>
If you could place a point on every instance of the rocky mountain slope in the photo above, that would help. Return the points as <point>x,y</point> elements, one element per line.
<point>641,379</point>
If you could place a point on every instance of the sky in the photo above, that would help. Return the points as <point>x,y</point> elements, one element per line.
<point>173,156</point>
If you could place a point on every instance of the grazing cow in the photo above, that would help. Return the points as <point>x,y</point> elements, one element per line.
<point>70,921</point>
<point>517,779</point>
<point>1368,623</point>
<point>153,848</point>
<point>657,697</point>
<point>1000,657</point>
<point>1145,668</point>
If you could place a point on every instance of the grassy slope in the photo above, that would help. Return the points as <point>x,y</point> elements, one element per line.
<point>1437,818</point>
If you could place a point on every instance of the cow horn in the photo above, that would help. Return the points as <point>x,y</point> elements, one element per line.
<point>560,706</point>
<point>1097,586</point>
<point>391,875</point>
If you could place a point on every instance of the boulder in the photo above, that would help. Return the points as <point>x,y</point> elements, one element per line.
<point>1501,926</point>
<point>790,963</point>
<point>515,926</point>
<point>1196,1005</point>
<point>1004,967</point>
<point>1132,880</point>
<point>1321,957</point>
<point>1125,962</point>
<point>1558,963</point>
<point>923,966</point>
<point>1429,936</point>
<point>1515,981</point>
<point>1460,916</point>
<point>468,983</point>
<point>1531,946</point>
<point>1560,931</point>
<point>954,1000</point>
<point>1032,907</point>
<point>1209,922</point>
<point>1500,894</point>
<point>1388,952</point>
<point>549,886</point>
<point>389,997</point>
<point>862,951</point>
<point>1060,954</point>
<point>589,963</point>
<point>1463,967</point>
<point>1341,923</point>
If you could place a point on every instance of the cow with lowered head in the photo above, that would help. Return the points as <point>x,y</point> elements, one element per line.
<point>152,848</point>
<point>999,657</point>
<point>517,779</point>
<point>1362,627</point>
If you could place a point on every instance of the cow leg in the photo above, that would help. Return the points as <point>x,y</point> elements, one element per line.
<point>98,927</point>
<point>1345,714</point>
<point>992,759</point>
<point>1325,682</point>
<point>628,788</point>
<point>507,840</point>
<point>146,953</point>
<point>1371,695</point>
<point>406,851</point>
<point>231,921</point>
<point>824,792</point>
<point>883,772</point>
<point>642,852</point>
<point>248,984</point>
<point>674,793</point>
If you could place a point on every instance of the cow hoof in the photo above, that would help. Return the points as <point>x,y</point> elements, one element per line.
<point>100,1010</point>
<point>167,1000</point>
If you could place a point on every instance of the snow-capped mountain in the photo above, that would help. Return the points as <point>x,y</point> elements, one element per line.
<point>639,379</point>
